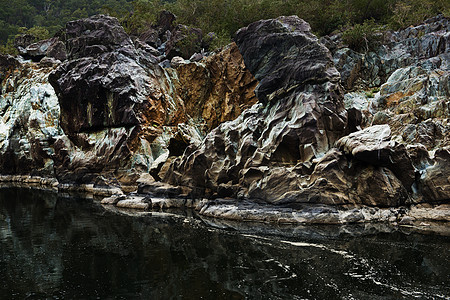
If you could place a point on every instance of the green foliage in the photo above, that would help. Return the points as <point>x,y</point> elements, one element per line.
<point>219,40</point>
<point>406,13</point>
<point>361,36</point>
<point>224,17</point>
<point>372,92</point>
<point>9,48</point>
<point>51,14</point>
<point>143,14</point>
<point>39,32</point>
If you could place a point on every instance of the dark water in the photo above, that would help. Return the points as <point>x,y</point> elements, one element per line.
<point>67,248</point>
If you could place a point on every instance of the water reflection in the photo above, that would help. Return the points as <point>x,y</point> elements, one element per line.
<point>53,247</point>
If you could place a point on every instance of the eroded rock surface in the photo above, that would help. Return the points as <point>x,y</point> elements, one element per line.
<point>115,113</point>
<point>299,119</point>
<point>294,147</point>
<point>117,117</point>
<point>216,89</point>
<point>29,121</point>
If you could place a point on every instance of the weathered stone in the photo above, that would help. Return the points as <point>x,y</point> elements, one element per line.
<point>150,37</point>
<point>217,89</point>
<point>122,123</point>
<point>142,203</point>
<point>50,47</point>
<point>57,50</point>
<point>22,41</point>
<point>29,121</point>
<point>112,88</point>
<point>338,180</point>
<point>112,106</point>
<point>301,118</point>
<point>7,66</point>
<point>370,145</point>
<point>112,200</point>
<point>120,110</point>
<point>48,62</point>
<point>177,61</point>
<point>436,178</point>
<point>373,146</point>
<point>159,189</point>
<point>277,52</point>
<point>94,36</point>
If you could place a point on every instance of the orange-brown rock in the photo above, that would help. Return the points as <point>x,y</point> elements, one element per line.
<point>216,89</point>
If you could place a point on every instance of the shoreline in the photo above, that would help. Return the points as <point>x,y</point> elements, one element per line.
<point>243,210</point>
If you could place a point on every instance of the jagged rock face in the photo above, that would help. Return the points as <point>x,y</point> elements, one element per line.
<point>374,146</point>
<point>123,115</point>
<point>106,83</point>
<point>300,120</point>
<point>29,121</point>
<point>161,32</point>
<point>334,180</point>
<point>21,41</point>
<point>7,65</point>
<point>281,150</point>
<point>51,48</point>
<point>436,178</point>
<point>112,103</point>
<point>283,54</point>
<point>115,114</point>
<point>412,71</point>
<point>416,101</point>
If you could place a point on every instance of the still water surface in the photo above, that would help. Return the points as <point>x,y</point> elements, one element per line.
<point>54,247</point>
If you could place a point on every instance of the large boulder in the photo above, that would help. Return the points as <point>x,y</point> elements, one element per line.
<point>21,41</point>
<point>283,54</point>
<point>106,83</point>
<point>113,104</point>
<point>52,48</point>
<point>374,146</point>
<point>300,116</point>
<point>335,180</point>
<point>436,178</point>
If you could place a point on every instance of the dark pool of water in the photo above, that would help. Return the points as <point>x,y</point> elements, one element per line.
<point>54,247</point>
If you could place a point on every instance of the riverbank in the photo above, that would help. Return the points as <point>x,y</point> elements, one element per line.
<point>417,215</point>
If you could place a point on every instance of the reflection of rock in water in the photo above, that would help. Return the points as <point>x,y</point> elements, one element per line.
<point>74,248</point>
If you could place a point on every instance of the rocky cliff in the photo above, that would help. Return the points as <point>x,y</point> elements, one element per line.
<point>111,112</point>
<point>278,126</point>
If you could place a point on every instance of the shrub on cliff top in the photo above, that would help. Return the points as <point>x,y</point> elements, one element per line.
<point>361,37</point>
